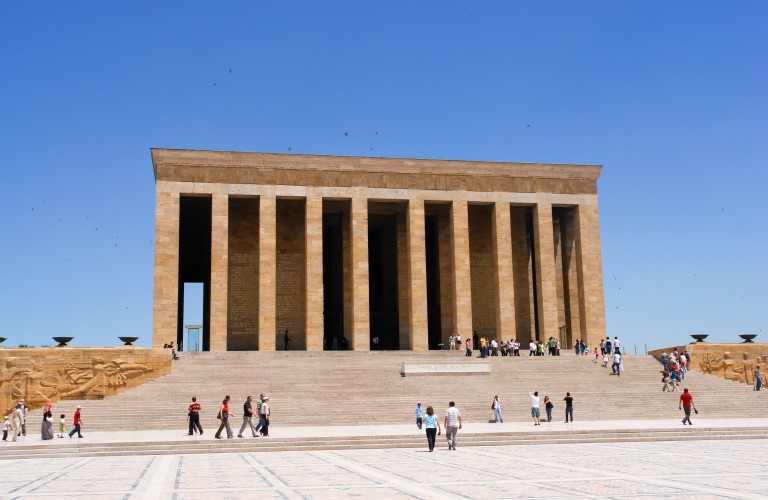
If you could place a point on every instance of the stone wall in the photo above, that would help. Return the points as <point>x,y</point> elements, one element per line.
<point>243,288</point>
<point>291,274</point>
<point>735,362</point>
<point>482,270</point>
<point>48,375</point>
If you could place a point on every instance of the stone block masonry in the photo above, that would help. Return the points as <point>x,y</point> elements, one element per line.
<point>510,250</point>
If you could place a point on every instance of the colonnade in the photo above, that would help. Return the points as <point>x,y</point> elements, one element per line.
<point>574,289</point>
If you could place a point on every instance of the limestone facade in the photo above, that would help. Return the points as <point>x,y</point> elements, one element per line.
<point>335,251</point>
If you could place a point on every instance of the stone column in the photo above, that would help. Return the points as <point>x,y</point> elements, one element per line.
<point>361,318</point>
<point>462,283</point>
<point>546,289</point>
<point>505,286</point>
<point>314,273</point>
<point>417,261</point>
<point>165,311</point>
<point>267,271</point>
<point>590,273</point>
<point>219,271</point>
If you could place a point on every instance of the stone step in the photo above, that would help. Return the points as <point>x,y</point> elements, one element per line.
<point>84,449</point>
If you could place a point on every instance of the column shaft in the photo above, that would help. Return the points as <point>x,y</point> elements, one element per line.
<point>462,283</point>
<point>361,319</point>
<point>546,289</point>
<point>505,286</point>
<point>417,260</point>
<point>267,271</point>
<point>219,271</point>
<point>314,273</point>
<point>165,319</point>
<point>590,272</point>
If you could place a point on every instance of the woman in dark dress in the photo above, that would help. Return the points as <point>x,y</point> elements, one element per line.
<point>46,429</point>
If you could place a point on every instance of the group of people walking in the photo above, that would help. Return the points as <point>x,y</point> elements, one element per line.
<point>16,423</point>
<point>261,411</point>
<point>431,423</point>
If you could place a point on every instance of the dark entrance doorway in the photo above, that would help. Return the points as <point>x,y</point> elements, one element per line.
<point>195,258</point>
<point>434,326</point>
<point>382,279</point>
<point>333,281</point>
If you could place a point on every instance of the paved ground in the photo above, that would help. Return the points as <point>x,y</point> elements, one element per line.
<point>697,469</point>
<point>276,431</point>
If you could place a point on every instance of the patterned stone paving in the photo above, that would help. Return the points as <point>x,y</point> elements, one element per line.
<point>694,469</point>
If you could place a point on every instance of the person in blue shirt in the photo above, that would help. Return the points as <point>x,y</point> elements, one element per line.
<point>432,425</point>
<point>419,415</point>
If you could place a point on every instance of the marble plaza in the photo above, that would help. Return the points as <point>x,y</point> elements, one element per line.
<point>690,469</point>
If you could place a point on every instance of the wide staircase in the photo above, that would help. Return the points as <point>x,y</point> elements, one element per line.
<point>363,388</point>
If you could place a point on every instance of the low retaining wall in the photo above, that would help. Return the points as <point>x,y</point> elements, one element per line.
<point>735,362</point>
<point>44,375</point>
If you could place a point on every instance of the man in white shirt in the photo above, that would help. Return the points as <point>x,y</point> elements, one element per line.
<point>452,424</point>
<point>265,411</point>
<point>617,363</point>
<point>535,407</point>
<point>616,344</point>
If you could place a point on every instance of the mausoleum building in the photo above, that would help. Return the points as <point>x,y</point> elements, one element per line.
<point>339,251</point>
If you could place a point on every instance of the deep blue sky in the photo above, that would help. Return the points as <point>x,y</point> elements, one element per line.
<point>669,96</point>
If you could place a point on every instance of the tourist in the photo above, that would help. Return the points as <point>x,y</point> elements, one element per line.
<point>568,407</point>
<point>247,417</point>
<point>608,346</point>
<point>193,414</point>
<point>682,367</point>
<point>617,363</point>
<point>16,421</point>
<point>687,360</point>
<point>6,426</point>
<point>616,344</point>
<point>548,406</point>
<point>577,347</point>
<point>469,348</point>
<point>496,407</point>
<point>77,422</point>
<point>24,409</point>
<point>602,346</point>
<point>452,424</point>
<point>62,425</point>
<point>260,425</point>
<point>265,411</point>
<point>605,360</point>
<point>458,342</point>
<point>174,356</point>
<point>482,355</point>
<point>286,340</point>
<point>532,348</point>
<point>432,426</point>
<point>517,348</point>
<point>557,348</point>
<point>541,348</point>
<point>419,415</point>
<point>494,348</point>
<point>46,428</point>
<point>665,380</point>
<point>535,407</point>
<point>596,355</point>
<point>758,379</point>
<point>451,343</point>
<point>686,403</point>
<point>223,415</point>
<point>552,346</point>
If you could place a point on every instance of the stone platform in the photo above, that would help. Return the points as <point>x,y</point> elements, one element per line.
<point>718,459</point>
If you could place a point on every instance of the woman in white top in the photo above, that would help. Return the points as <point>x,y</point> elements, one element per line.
<point>432,424</point>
